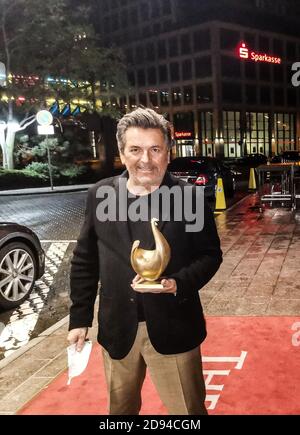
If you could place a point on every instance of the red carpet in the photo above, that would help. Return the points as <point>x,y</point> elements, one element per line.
<point>252,366</point>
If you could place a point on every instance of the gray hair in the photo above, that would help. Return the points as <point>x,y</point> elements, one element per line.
<point>143,118</point>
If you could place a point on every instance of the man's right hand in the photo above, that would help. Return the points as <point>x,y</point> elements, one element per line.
<point>77,336</point>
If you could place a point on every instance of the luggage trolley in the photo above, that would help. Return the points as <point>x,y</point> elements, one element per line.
<point>276,184</point>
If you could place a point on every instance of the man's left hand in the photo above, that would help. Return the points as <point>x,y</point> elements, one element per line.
<point>169,286</point>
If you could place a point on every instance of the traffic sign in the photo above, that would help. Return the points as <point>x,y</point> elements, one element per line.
<point>45,129</point>
<point>44,117</point>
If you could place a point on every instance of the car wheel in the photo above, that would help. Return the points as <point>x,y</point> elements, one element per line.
<point>18,270</point>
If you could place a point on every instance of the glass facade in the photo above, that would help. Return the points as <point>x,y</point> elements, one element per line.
<point>232,134</point>
<point>257,133</point>
<point>284,132</point>
<point>206,133</point>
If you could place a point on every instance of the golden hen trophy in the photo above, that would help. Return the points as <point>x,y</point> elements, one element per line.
<point>150,264</point>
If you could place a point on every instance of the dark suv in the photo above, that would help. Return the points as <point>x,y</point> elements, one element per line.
<point>21,263</point>
<point>204,171</point>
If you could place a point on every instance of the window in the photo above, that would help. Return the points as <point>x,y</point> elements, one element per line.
<point>250,70</point>
<point>139,54</point>
<point>153,98</point>
<point>291,97</point>
<point>284,126</point>
<point>173,47</point>
<point>265,72</point>
<point>156,28</point>
<point>231,67</point>
<point>278,97</point>
<point>278,73</point>
<point>132,102</point>
<point>201,40</point>
<point>124,18</point>
<point>204,93</point>
<point>155,11</point>
<point>185,44</point>
<point>176,96</point>
<point>174,72</point>
<point>141,79</point>
<point>257,132</point>
<point>150,52</point>
<point>229,39</point>
<point>264,44</point>
<point>129,55</point>
<point>115,22</point>
<point>161,49</point>
<point>143,99</point>
<point>133,16</point>
<point>232,92</point>
<point>184,121</point>
<point>144,11</point>
<point>206,133</point>
<point>163,73</point>
<point>187,69</point>
<point>131,78</point>
<point>146,31</point>
<point>232,134</point>
<point>249,38</point>
<point>203,66</point>
<point>164,98</point>
<point>166,7</point>
<point>265,95</point>
<point>250,91</point>
<point>152,78</point>
<point>291,51</point>
<point>278,47</point>
<point>122,102</point>
<point>188,95</point>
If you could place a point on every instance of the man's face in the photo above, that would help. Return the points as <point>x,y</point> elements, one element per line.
<point>145,156</point>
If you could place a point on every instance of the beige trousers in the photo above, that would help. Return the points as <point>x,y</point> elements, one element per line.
<point>178,379</point>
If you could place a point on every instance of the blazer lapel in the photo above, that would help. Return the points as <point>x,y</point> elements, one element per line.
<point>121,225</point>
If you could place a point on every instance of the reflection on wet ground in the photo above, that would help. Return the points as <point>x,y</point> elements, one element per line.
<point>260,274</point>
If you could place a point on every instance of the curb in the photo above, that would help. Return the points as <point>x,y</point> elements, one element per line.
<point>33,342</point>
<point>45,190</point>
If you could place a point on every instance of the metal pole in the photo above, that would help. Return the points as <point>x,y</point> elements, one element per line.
<point>49,163</point>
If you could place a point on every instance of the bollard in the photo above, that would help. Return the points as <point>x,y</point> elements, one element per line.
<point>220,196</point>
<point>252,180</point>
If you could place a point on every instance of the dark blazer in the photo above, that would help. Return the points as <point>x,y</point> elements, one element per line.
<point>175,323</point>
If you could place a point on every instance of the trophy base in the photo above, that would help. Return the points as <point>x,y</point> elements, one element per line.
<point>146,285</point>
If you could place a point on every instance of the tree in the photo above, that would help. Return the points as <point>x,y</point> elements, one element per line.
<point>51,51</point>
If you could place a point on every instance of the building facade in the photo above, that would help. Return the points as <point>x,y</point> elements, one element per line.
<point>226,85</point>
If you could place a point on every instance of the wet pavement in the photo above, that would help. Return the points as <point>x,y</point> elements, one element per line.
<point>52,216</point>
<point>260,273</point>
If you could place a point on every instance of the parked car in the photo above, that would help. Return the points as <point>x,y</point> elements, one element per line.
<point>286,156</point>
<point>204,171</point>
<point>253,160</point>
<point>22,262</point>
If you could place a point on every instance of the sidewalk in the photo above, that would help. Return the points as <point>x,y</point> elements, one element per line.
<point>42,190</point>
<point>259,278</point>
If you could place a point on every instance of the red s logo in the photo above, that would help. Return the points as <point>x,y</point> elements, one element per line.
<point>243,51</point>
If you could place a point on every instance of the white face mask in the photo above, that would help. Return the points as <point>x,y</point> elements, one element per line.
<point>77,361</point>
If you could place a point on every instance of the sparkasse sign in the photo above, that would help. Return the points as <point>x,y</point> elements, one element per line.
<point>245,53</point>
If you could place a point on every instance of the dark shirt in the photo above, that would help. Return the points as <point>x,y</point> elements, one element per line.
<point>141,230</point>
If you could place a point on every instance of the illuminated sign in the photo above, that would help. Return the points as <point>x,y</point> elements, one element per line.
<point>179,134</point>
<point>245,53</point>
<point>44,117</point>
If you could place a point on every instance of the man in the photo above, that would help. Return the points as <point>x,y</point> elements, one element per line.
<point>160,329</point>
